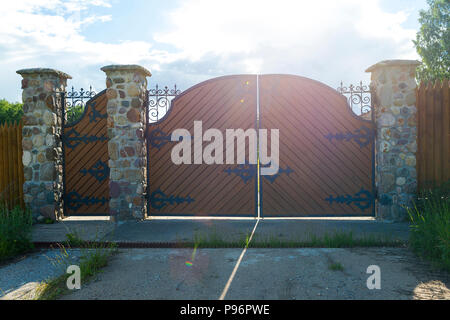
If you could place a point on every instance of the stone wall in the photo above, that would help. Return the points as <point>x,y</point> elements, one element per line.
<point>394,101</point>
<point>126,87</point>
<point>41,143</point>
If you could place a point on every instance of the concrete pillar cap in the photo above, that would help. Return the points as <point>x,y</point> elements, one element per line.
<point>59,74</point>
<point>127,67</point>
<point>393,63</point>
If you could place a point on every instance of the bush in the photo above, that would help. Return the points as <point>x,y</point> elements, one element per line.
<point>15,232</point>
<point>10,112</point>
<point>430,229</point>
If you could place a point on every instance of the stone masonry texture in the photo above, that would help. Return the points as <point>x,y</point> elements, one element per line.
<point>394,85</point>
<point>126,87</point>
<point>41,142</point>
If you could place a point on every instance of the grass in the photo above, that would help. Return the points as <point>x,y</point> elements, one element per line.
<point>430,227</point>
<point>333,240</point>
<point>214,240</point>
<point>95,256</point>
<point>336,266</point>
<point>48,221</point>
<point>15,232</point>
<point>74,240</point>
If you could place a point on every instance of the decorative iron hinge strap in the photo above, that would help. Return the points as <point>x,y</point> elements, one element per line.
<point>362,136</point>
<point>100,171</point>
<point>73,139</point>
<point>248,171</point>
<point>75,201</point>
<point>96,114</point>
<point>362,199</point>
<point>158,138</point>
<point>159,199</point>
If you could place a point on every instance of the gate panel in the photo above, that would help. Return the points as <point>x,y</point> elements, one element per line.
<point>86,171</point>
<point>200,189</point>
<point>326,151</point>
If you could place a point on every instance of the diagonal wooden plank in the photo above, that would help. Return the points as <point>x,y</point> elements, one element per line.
<point>226,195</point>
<point>293,91</point>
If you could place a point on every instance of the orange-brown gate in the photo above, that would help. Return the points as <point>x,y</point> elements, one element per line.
<point>86,171</point>
<point>201,189</point>
<point>326,151</point>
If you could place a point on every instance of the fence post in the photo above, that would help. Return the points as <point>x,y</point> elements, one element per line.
<point>395,113</point>
<point>126,89</point>
<point>41,142</point>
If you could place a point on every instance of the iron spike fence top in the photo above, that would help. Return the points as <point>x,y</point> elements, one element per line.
<point>159,101</point>
<point>359,97</point>
<point>77,98</point>
<point>156,92</point>
<point>74,100</point>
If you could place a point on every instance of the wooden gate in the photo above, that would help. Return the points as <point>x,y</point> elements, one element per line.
<point>86,171</point>
<point>201,189</point>
<point>326,151</point>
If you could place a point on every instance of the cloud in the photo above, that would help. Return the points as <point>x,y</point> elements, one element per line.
<point>49,33</point>
<point>47,28</point>
<point>326,40</point>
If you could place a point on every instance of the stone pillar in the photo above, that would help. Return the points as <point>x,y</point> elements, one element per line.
<point>394,101</point>
<point>126,87</point>
<point>41,142</point>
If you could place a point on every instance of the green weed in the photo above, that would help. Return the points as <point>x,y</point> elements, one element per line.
<point>430,227</point>
<point>15,232</point>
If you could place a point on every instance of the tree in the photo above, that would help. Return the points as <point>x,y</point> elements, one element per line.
<point>74,113</point>
<point>10,112</point>
<point>13,112</point>
<point>433,41</point>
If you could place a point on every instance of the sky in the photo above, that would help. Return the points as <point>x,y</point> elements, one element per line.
<point>188,41</point>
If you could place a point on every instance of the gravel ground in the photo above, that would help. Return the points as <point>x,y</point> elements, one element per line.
<point>24,274</point>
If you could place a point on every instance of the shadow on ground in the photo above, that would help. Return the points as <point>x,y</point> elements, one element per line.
<point>162,231</point>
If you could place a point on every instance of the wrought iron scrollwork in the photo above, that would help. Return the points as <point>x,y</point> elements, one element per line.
<point>159,199</point>
<point>363,199</point>
<point>77,97</point>
<point>358,97</point>
<point>99,171</point>
<point>159,102</point>
<point>75,201</point>
<point>362,136</point>
<point>75,102</point>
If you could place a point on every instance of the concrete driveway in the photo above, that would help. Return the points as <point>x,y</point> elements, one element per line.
<point>264,274</point>
<point>308,273</point>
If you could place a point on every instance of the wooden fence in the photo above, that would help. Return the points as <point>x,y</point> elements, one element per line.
<point>11,167</point>
<point>433,158</point>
